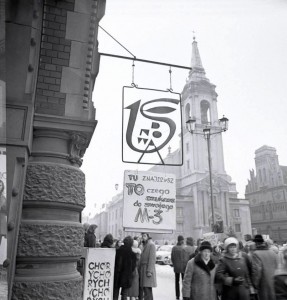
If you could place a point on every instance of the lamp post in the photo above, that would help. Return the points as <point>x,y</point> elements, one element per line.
<point>207,133</point>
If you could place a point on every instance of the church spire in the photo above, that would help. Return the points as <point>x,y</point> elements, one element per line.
<point>197,72</point>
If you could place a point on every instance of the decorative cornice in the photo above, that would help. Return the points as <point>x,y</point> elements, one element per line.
<point>88,84</point>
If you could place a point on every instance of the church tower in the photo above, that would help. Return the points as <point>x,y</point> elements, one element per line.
<point>199,101</point>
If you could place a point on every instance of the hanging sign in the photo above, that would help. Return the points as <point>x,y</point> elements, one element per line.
<point>149,202</point>
<point>151,124</point>
<point>99,274</point>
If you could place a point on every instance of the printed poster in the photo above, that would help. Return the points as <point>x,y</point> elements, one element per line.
<point>149,202</point>
<point>99,274</point>
<point>211,237</point>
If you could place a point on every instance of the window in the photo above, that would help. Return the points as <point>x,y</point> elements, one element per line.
<point>187,112</point>
<point>179,227</point>
<point>187,147</point>
<point>236,213</point>
<point>215,203</point>
<point>260,176</point>
<point>237,228</point>
<point>205,112</point>
<point>179,212</point>
<point>188,165</point>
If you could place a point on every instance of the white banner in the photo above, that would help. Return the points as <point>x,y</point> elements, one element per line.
<point>211,237</point>
<point>99,274</point>
<point>149,202</point>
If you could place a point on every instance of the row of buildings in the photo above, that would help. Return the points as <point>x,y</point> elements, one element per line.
<point>264,209</point>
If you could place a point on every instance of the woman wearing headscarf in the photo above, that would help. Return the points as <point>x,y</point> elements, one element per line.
<point>280,278</point>
<point>198,282</point>
<point>90,237</point>
<point>108,241</point>
<point>233,272</point>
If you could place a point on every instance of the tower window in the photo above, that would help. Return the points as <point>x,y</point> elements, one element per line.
<point>187,112</point>
<point>205,112</point>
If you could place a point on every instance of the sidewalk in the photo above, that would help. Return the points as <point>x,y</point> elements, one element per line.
<point>3,284</point>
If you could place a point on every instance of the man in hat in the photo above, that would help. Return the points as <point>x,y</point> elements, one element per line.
<point>198,282</point>
<point>179,261</point>
<point>264,264</point>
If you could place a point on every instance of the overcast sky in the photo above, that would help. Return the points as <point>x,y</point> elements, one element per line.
<point>243,48</point>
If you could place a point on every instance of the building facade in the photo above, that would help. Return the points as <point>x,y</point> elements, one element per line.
<point>193,211</point>
<point>52,62</point>
<point>267,193</point>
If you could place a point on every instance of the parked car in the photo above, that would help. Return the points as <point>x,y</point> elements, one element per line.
<point>163,255</point>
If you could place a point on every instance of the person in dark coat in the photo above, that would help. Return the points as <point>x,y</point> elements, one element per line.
<point>147,270</point>
<point>264,264</point>
<point>90,238</point>
<point>198,282</point>
<point>125,264</point>
<point>108,241</point>
<point>179,261</point>
<point>216,254</point>
<point>189,248</point>
<point>280,278</point>
<point>233,272</point>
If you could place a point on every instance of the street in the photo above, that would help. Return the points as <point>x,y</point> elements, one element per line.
<point>165,283</point>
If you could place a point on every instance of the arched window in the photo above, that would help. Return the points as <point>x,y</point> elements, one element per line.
<point>205,112</point>
<point>260,176</point>
<point>187,112</point>
<point>264,175</point>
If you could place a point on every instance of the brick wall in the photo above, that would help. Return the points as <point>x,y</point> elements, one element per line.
<point>54,54</point>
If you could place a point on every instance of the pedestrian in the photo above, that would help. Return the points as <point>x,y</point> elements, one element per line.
<point>147,268</point>
<point>198,282</point>
<point>216,254</point>
<point>90,238</point>
<point>3,212</point>
<point>249,246</point>
<point>189,248</point>
<point>272,246</point>
<point>125,264</point>
<point>179,261</point>
<point>233,273</point>
<point>264,264</point>
<point>133,291</point>
<point>118,244</point>
<point>280,278</point>
<point>108,241</point>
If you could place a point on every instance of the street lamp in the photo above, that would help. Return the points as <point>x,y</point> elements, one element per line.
<point>207,133</point>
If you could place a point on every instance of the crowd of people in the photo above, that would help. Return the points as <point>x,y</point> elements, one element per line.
<point>230,270</point>
<point>134,273</point>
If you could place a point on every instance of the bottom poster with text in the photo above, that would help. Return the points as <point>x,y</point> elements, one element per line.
<point>149,201</point>
<point>99,274</point>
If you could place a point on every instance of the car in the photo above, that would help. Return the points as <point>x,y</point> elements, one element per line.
<point>163,255</point>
